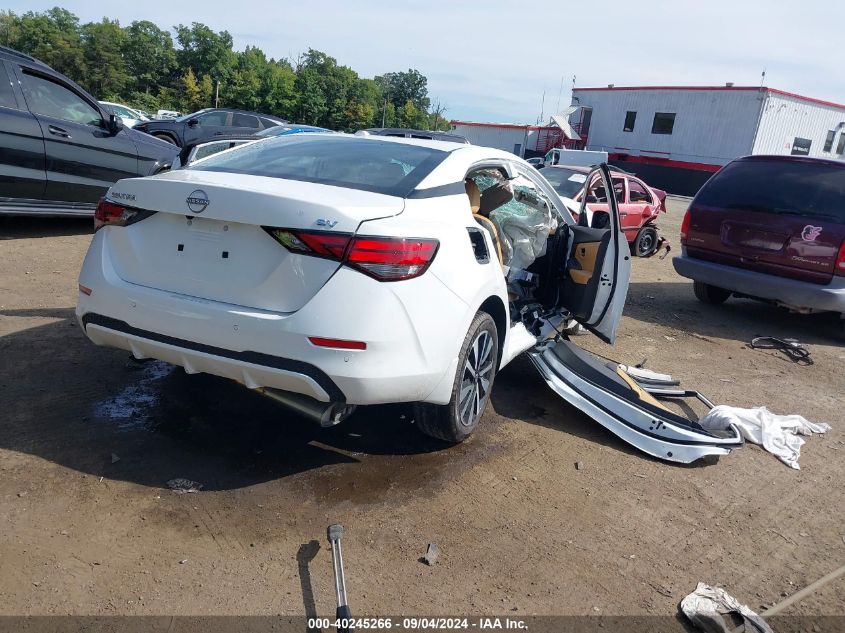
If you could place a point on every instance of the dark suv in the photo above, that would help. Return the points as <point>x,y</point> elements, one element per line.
<point>772,228</point>
<point>59,148</point>
<point>204,124</point>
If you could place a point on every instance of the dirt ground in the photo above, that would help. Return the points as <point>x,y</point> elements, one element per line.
<point>89,438</point>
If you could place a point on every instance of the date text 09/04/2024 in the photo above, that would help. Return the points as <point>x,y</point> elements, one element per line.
<point>412,623</point>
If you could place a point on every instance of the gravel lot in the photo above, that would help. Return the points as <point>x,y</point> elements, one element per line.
<point>89,438</point>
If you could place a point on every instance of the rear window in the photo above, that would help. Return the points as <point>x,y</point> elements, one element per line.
<point>386,167</point>
<point>802,188</point>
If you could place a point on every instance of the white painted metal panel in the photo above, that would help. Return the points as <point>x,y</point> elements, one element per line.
<point>786,118</point>
<point>504,137</point>
<point>712,126</point>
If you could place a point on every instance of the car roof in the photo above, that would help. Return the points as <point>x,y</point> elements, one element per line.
<point>11,53</point>
<point>383,131</point>
<point>239,111</point>
<point>791,159</point>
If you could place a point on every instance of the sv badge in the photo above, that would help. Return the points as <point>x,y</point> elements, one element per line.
<point>327,223</point>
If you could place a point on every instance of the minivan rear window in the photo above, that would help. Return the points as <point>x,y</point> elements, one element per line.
<point>386,167</point>
<point>805,188</point>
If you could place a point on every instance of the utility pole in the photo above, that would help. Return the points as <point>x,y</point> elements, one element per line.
<point>217,94</point>
<point>384,109</point>
<point>542,109</point>
<point>559,92</point>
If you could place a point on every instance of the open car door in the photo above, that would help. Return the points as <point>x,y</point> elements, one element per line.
<point>592,286</point>
<point>593,283</point>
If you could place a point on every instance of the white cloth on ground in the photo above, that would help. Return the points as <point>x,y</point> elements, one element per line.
<point>706,605</point>
<point>778,434</point>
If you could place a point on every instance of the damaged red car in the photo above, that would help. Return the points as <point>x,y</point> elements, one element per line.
<point>639,204</point>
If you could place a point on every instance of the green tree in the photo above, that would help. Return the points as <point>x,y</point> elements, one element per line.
<point>102,45</point>
<point>149,54</point>
<point>191,92</point>
<point>54,37</point>
<point>278,90</point>
<point>405,86</point>
<point>207,52</point>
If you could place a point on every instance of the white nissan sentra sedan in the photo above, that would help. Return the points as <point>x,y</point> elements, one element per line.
<point>330,271</point>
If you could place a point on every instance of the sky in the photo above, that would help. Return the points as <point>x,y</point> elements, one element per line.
<point>494,60</point>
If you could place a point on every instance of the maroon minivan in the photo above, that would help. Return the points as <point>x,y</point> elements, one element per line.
<point>770,228</point>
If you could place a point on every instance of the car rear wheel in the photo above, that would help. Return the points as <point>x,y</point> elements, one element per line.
<point>710,294</point>
<point>646,241</point>
<point>477,363</point>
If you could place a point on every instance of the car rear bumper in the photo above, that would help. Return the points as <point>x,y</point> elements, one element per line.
<point>829,297</point>
<point>403,362</point>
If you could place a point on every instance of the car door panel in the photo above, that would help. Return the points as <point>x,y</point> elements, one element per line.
<point>83,159</point>
<point>22,163</point>
<point>598,268</point>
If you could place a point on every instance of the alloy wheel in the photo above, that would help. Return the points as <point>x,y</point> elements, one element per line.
<point>476,378</point>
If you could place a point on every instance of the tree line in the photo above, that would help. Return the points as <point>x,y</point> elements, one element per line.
<point>141,65</point>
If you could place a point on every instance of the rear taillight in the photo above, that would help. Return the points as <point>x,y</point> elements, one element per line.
<point>391,258</point>
<point>685,227</point>
<point>109,213</point>
<point>383,258</point>
<point>839,269</point>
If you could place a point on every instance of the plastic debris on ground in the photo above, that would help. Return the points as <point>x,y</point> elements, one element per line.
<point>778,434</point>
<point>707,606</point>
<point>431,554</point>
<point>183,486</point>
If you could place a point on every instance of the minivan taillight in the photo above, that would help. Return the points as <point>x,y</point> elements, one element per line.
<point>112,214</point>
<point>685,227</point>
<point>839,269</point>
<point>383,258</point>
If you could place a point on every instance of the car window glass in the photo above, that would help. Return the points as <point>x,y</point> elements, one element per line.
<point>802,188</point>
<point>359,163</point>
<point>212,118</point>
<point>245,120</point>
<point>619,189</point>
<point>638,193</point>
<point>566,182</point>
<point>7,95</point>
<point>51,99</point>
<point>207,149</point>
<point>267,122</point>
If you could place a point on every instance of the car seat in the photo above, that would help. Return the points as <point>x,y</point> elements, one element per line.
<point>475,198</point>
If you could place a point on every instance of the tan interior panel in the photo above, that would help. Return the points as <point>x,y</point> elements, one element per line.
<point>474,195</point>
<point>644,395</point>
<point>487,223</point>
<point>585,255</point>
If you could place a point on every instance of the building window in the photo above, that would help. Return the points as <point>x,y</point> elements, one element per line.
<point>630,119</point>
<point>801,146</point>
<point>840,146</point>
<point>828,142</point>
<point>664,122</point>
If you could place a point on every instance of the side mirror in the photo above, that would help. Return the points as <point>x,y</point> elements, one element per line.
<point>193,122</point>
<point>115,124</point>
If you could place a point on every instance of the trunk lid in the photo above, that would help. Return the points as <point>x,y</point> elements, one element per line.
<point>776,215</point>
<point>206,239</point>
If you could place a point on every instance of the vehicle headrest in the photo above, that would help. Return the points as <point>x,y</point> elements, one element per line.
<point>474,195</point>
<point>494,197</point>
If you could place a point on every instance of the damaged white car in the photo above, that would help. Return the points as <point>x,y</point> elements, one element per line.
<point>330,271</point>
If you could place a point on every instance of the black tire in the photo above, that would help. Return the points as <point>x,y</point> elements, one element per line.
<point>456,421</point>
<point>710,294</point>
<point>646,241</point>
<point>165,137</point>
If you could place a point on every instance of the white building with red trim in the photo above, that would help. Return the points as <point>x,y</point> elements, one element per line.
<point>676,137</point>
